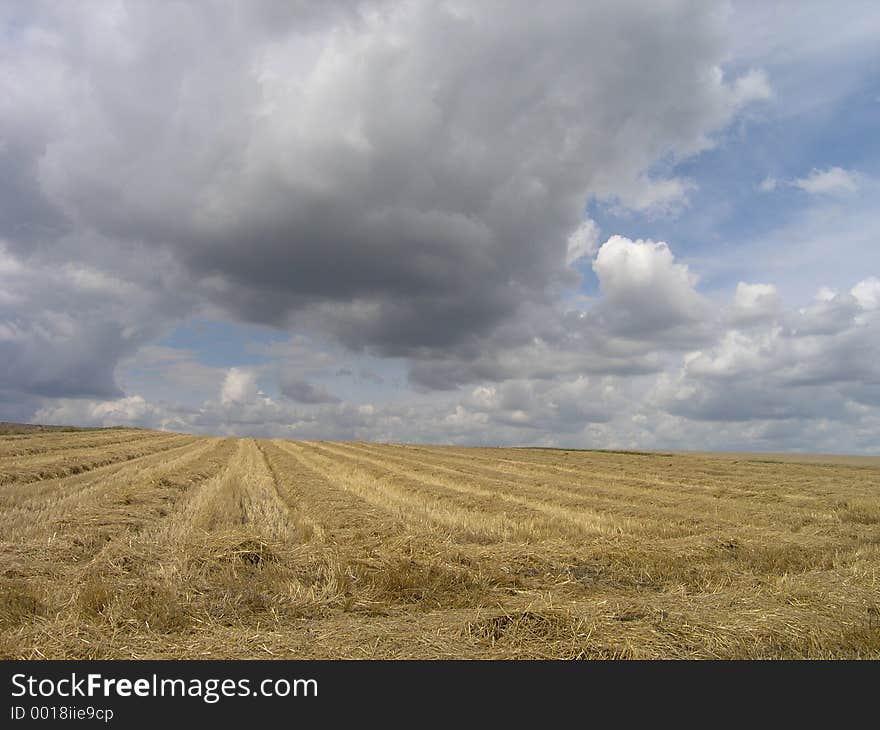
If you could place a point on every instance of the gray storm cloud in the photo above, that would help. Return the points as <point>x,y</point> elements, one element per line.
<point>404,175</point>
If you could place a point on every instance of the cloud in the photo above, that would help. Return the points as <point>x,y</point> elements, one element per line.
<point>754,303</point>
<point>752,86</point>
<point>583,242</point>
<point>834,180</point>
<point>342,170</point>
<point>65,322</point>
<point>158,369</point>
<point>644,290</point>
<point>652,197</point>
<point>403,187</point>
<point>818,362</point>
<point>867,293</point>
<point>648,306</point>
<point>302,391</point>
<point>560,407</point>
<point>129,411</point>
<point>239,386</point>
<point>768,377</point>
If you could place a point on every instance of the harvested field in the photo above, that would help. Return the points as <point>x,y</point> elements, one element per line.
<point>135,544</point>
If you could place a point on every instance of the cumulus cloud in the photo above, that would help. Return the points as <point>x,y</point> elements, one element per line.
<point>644,289</point>
<point>754,303</point>
<point>819,362</point>
<point>867,293</point>
<point>648,308</point>
<point>239,386</point>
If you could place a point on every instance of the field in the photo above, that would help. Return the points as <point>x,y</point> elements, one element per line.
<point>136,544</point>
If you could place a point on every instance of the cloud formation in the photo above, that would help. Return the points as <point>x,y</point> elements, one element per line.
<point>405,184</point>
<point>833,181</point>
<point>302,391</point>
<point>830,181</point>
<point>763,375</point>
<point>344,168</point>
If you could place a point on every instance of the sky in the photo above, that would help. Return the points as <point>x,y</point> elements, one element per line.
<point>622,225</point>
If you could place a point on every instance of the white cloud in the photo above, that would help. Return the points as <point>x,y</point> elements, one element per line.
<point>643,288</point>
<point>754,302</point>
<point>752,86</point>
<point>816,364</point>
<point>834,180</point>
<point>239,386</point>
<point>652,196</point>
<point>583,242</point>
<point>129,411</point>
<point>867,293</point>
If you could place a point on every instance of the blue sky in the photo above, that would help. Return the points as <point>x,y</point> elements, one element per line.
<point>825,112</point>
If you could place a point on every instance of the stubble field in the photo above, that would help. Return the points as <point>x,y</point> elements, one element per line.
<point>136,544</point>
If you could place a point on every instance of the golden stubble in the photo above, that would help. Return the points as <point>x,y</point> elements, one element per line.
<point>129,543</point>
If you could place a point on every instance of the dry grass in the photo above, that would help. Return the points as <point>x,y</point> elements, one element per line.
<point>38,465</point>
<point>135,544</point>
